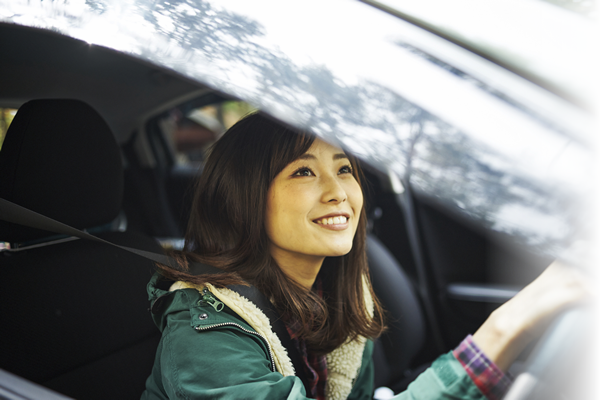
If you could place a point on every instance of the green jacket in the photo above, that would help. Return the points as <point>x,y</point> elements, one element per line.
<point>217,345</point>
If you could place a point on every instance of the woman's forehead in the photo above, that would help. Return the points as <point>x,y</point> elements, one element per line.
<point>320,147</point>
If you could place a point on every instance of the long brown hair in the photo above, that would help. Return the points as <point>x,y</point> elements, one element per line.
<point>226,230</point>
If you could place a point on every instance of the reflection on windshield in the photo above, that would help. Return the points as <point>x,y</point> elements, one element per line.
<point>525,36</point>
<point>587,8</point>
<point>451,166</point>
<point>358,89</point>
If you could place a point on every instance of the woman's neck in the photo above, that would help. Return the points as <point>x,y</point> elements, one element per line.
<point>301,268</point>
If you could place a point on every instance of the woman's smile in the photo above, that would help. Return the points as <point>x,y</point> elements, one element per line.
<point>334,221</point>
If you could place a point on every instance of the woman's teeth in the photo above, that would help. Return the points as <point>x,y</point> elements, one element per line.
<point>332,220</point>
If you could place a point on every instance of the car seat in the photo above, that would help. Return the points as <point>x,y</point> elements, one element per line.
<point>73,313</point>
<point>395,350</point>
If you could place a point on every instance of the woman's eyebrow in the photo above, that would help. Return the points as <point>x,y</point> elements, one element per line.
<point>307,156</point>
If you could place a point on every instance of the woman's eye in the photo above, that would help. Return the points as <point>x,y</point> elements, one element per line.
<point>303,172</point>
<point>346,169</point>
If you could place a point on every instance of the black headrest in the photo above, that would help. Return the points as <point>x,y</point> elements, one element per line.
<point>60,159</point>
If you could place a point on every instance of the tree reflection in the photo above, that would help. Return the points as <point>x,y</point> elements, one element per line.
<point>449,165</point>
<point>233,53</point>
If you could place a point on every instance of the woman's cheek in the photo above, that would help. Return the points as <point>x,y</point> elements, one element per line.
<point>356,198</point>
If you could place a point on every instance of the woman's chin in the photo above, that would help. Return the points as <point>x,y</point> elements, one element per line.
<point>338,251</point>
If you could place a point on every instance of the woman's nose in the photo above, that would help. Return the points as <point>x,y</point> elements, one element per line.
<point>333,191</point>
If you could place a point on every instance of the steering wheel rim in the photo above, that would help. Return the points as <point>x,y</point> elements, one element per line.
<point>553,369</point>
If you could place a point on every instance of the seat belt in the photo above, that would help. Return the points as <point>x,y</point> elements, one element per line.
<point>16,214</point>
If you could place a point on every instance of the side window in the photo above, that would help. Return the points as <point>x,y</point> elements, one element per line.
<point>6,117</point>
<point>192,131</point>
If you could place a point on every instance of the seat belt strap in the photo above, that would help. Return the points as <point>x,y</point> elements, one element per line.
<point>16,214</point>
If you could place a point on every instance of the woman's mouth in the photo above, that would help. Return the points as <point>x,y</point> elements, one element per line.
<point>332,220</point>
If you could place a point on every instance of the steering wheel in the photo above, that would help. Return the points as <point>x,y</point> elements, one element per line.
<point>567,342</point>
<point>557,366</point>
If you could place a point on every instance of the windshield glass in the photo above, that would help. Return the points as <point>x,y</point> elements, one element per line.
<point>524,36</point>
<point>589,8</point>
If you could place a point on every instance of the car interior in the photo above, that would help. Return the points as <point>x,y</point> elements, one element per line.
<point>92,146</point>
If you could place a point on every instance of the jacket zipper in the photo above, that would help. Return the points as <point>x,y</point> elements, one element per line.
<point>208,298</point>
<point>204,328</point>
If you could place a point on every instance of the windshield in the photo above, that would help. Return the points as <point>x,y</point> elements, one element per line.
<point>523,36</point>
<point>589,8</point>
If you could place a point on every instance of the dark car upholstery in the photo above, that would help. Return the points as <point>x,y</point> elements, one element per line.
<point>73,312</point>
<point>397,348</point>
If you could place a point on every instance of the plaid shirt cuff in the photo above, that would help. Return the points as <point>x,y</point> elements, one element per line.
<point>488,378</point>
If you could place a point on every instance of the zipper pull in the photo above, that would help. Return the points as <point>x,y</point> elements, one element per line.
<point>214,303</point>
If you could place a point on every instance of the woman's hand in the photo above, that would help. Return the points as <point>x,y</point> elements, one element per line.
<point>526,316</point>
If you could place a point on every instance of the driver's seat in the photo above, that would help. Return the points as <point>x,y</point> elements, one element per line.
<point>396,349</point>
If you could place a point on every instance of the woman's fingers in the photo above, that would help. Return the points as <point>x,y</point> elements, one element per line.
<point>556,289</point>
<point>525,317</point>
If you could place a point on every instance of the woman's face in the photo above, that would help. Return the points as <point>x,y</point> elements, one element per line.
<point>313,206</point>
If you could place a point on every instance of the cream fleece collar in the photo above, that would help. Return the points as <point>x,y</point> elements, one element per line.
<point>343,363</point>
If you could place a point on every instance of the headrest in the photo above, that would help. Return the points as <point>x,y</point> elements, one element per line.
<point>60,159</point>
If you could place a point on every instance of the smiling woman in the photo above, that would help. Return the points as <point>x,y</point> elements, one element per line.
<point>283,212</point>
<point>258,214</point>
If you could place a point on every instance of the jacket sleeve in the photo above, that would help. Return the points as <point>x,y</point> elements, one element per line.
<point>446,379</point>
<point>218,364</point>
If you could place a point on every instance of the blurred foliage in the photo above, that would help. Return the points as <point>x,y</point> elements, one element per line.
<point>233,111</point>
<point>228,112</point>
<point>589,8</point>
<point>6,117</point>
<point>188,131</point>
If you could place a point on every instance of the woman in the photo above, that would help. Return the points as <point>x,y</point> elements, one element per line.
<point>284,212</point>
